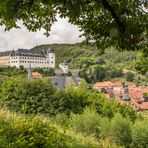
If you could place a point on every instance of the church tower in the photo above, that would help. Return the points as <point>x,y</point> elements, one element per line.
<point>51,58</point>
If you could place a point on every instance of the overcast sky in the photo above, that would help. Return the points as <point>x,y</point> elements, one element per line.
<point>61,32</point>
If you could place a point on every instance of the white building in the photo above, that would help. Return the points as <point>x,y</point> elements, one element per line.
<point>36,58</point>
<point>64,67</point>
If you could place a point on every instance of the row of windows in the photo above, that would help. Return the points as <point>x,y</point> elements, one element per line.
<point>30,58</point>
<point>31,62</point>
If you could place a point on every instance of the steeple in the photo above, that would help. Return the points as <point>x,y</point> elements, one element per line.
<point>126,96</point>
<point>29,72</point>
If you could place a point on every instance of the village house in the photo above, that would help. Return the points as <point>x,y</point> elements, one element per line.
<point>64,67</point>
<point>106,85</point>
<point>62,82</point>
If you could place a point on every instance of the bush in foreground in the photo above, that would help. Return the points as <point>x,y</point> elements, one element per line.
<point>21,131</point>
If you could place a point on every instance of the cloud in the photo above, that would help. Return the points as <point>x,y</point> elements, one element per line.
<point>61,32</point>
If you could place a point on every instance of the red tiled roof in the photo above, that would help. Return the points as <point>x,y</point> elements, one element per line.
<point>107,84</point>
<point>36,75</point>
<point>137,97</point>
<point>117,84</point>
<point>103,84</point>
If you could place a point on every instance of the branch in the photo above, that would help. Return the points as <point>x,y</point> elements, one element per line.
<point>120,25</point>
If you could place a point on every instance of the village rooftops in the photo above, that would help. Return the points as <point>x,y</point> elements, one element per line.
<point>107,84</point>
<point>133,95</point>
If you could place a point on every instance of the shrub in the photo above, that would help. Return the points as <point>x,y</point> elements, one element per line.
<point>27,95</point>
<point>21,131</point>
<point>140,134</point>
<point>121,131</point>
<point>68,101</point>
<point>87,122</point>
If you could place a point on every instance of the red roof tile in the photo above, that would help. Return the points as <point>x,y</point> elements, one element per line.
<point>36,75</point>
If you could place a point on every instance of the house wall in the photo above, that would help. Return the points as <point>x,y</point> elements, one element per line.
<point>64,68</point>
<point>4,61</point>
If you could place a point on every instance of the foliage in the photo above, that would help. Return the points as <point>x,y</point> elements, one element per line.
<point>140,134</point>
<point>68,101</point>
<point>26,95</point>
<point>141,64</point>
<point>39,96</point>
<point>87,122</point>
<point>75,54</point>
<point>145,95</point>
<point>13,71</point>
<point>129,76</point>
<point>108,108</point>
<point>121,131</point>
<point>45,72</point>
<point>105,22</point>
<point>80,114</point>
<point>37,131</point>
<point>100,73</point>
<point>116,72</point>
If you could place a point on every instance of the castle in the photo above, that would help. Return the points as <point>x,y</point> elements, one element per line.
<point>23,57</point>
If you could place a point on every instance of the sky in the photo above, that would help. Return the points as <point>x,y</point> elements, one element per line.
<point>61,32</point>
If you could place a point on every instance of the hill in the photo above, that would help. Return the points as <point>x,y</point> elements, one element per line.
<point>112,64</point>
<point>74,54</point>
<point>80,53</point>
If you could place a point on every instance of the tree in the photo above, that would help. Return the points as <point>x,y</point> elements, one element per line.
<point>115,72</point>
<point>129,76</point>
<point>122,24</point>
<point>27,96</point>
<point>100,73</point>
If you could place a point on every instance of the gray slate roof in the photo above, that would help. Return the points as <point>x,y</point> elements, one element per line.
<point>63,81</point>
<point>6,53</point>
<point>31,53</point>
<point>26,52</point>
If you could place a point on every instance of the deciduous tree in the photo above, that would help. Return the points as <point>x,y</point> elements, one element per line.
<point>120,23</point>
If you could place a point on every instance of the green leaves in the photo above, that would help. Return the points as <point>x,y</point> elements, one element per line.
<point>121,24</point>
<point>27,96</point>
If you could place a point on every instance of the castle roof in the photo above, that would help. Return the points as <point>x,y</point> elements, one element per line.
<point>31,53</point>
<point>6,53</point>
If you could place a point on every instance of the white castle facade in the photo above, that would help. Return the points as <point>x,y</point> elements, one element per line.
<point>24,57</point>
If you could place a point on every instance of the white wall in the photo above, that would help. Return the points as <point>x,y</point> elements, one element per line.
<point>64,68</point>
<point>36,62</point>
<point>51,58</point>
